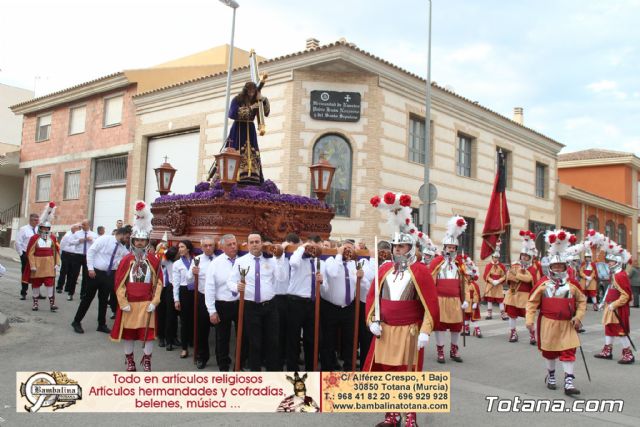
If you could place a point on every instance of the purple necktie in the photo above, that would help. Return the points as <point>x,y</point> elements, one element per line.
<point>84,251</point>
<point>347,281</point>
<point>113,255</point>
<point>166,277</point>
<point>313,280</point>
<point>257,292</point>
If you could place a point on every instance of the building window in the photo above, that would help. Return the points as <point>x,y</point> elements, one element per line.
<point>72,185</point>
<point>466,239</point>
<point>77,119</point>
<point>113,110</point>
<point>622,235</point>
<point>541,180</point>
<point>43,128</point>
<point>610,230</point>
<point>505,247</point>
<point>337,151</point>
<point>43,188</point>
<point>463,162</point>
<point>111,171</point>
<point>507,164</point>
<point>417,140</point>
<point>593,223</point>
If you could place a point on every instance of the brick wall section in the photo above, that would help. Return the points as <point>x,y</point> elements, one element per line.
<point>61,144</point>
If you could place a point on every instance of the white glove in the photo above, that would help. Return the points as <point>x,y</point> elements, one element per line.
<point>57,268</point>
<point>611,307</point>
<point>465,305</point>
<point>126,308</point>
<point>475,305</point>
<point>600,306</point>
<point>423,340</point>
<point>151,308</point>
<point>495,282</point>
<point>375,329</point>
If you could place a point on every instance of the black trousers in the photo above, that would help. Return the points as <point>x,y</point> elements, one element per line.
<point>300,315</point>
<point>334,318</point>
<point>24,287</point>
<point>167,315</point>
<point>76,262</point>
<point>64,266</point>
<point>364,335</point>
<point>186,316</point>
<point>261,320</point>
<point>228,314</point>
<point>204,325</point>
<point>636,295</point>
<point>102,285</point>
<point>281,306</point>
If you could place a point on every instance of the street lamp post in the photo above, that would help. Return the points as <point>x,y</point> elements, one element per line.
<point>427,134</point>
<point>234,5</point>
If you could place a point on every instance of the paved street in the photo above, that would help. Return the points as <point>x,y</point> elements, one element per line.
<point>492,366</point>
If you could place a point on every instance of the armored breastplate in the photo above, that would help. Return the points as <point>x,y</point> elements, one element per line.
<point>562,290</point>
<point>140,272</point>
<point>448,270</point>
<point>397,287</point>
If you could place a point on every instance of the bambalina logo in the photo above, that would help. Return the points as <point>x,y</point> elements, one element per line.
<point>55,389</point>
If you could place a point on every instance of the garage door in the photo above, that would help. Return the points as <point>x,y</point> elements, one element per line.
<point>109,207</point>
<point>183,153</point>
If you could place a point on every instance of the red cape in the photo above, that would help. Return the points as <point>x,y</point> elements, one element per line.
<point>427,294</point>
<point>622,279</point>
<point>487,269</point>
<point>26,274</point>
<point>122,278</point>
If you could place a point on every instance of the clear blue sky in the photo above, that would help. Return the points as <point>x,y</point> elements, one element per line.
<point>573,65</point>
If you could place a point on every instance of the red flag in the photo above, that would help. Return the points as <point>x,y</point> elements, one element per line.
<point>497,218</point>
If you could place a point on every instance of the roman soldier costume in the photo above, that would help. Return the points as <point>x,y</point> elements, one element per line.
<point>562,306</point>
<point>616,301</point>
<point>43,258</point>
<point>138,286</point>
<point>589,278</point>
<point>402,310</point>
<point>451,283</point>
<point>495,274</point>
<point>521,277</point>
<point>472,297</point>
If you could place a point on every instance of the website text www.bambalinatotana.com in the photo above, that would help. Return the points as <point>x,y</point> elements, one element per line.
<point>517,404</point>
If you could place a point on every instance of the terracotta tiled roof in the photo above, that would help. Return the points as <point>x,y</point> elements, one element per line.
<point>67,89</point>
<point>592,154</point>
<point>357,49</point>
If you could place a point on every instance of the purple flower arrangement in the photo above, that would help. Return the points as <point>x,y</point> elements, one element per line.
<point>267,192</point>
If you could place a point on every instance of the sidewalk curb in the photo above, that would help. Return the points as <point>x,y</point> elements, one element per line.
<point>4,323</point>
<point>10,258</point>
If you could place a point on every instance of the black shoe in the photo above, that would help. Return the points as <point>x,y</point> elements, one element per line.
<point>104,328</point>
<point>41,297</point>
<point>77,327</point>
<point>69,297</point>
<point>161,342</point>
<point>23,297</point>
<point>176,342</point>
<point>169,347</point>
<point>200,364</point>
<point>224,369</point>
<point>113,316</point>
<point>59,290</point>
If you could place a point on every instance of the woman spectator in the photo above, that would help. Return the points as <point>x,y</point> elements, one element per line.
<point>183,294</point>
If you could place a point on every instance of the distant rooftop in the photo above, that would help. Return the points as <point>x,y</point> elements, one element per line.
<point>592,154</point>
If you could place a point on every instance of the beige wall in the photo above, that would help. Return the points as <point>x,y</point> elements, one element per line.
<point>380,146</point>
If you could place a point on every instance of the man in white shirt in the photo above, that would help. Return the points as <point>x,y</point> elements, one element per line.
<point>301,294</point>
<point>81,241</point>
<point>207,244</point>
<point>65,257</point>
<point>337,307</point>
<point>260,314</point>
<point>222,304</point>
<point>103,258</point>
<point>22,240</point>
